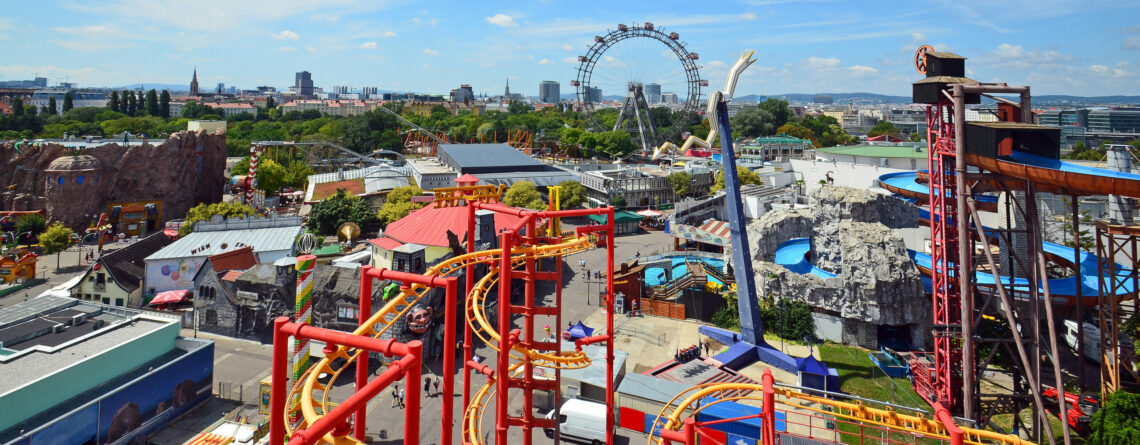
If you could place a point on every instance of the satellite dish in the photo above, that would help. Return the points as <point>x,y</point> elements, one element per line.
<point>348,231</point>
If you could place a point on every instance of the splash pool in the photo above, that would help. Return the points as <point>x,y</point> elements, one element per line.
<point>655,276</point>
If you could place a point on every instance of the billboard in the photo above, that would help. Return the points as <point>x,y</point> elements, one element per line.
<point>171,274</point>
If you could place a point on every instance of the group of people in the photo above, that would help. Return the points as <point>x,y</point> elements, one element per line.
<point>430,384</point>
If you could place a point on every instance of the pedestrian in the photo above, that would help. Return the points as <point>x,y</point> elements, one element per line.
<point>25,296</point>
<point>427,386</point>
<point>395,395</point>
<point>705,343</point>
<point>437,379</point>
<point>582,264</point>
<point>547,328</point>
<point>589,274</point>
<point>402,405</point>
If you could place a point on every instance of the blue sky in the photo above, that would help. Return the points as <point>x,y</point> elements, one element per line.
<point>1087,47</point>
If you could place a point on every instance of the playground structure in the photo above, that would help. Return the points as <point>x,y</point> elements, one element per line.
<point>313,419</point>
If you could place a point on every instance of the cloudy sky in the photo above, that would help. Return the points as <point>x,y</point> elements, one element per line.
<point>1089,47</point>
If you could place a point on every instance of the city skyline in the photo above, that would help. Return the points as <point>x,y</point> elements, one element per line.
<point>1090,48</point>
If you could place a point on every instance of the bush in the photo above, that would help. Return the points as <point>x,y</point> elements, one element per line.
<point>203,212</point>
<point>1118,421</point>
<point>788,319</point>
<point>33,222</point>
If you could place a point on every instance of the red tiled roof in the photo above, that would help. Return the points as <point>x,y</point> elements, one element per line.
<point>386,243</point>
<point>327,189</point>
<point>429,225</point>
<point>237,259</point>
<point>5,109</point>
<point>232,275</point>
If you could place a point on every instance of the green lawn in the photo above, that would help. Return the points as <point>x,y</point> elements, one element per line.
<point>859,376</point>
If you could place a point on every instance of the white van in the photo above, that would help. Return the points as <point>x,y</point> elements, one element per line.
<point>580,420</point>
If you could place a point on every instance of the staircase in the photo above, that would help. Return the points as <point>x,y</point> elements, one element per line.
<point>729,376</point>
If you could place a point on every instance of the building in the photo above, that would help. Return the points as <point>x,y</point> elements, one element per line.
<point>653,93</point>
<point>304,84</point>
<point>79,372</point>
<point>463,94</point>
<point>39,82</point>
<point>136,218</point>
<point>369,183</point>
<point>639,187</point>
<point>500,164</point>
<point>548,92</point>
<point>208,126</point>
<point>115,278</point>
<point>175,266</point>
<point>430,174</point>
<point>79,98</point>
<point>776,148</point>
<point>426,235</point>
<point>594,94</point>
<point>822,99</point>
<point>589,383</point>
<point>194,83</point>
<point>667,98</point>
<point>331,107</point>
<point>1116,120</point>
<point>231,109</point>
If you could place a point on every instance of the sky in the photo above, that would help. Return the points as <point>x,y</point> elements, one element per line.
<point>1089,47</point>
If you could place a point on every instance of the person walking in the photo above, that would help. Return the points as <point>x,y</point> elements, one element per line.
<point>427,386</point>
<point>395,395</point>
<point>437,393</point>
<point>402,405</point>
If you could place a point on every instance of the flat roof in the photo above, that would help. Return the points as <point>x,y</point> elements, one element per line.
<point>487,158</point>
<point>650,387</point>
<point>204,244</point>
<point>595,373</point>
<point>904,151</point>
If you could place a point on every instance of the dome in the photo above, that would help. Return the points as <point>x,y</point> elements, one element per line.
<point>74,163</point>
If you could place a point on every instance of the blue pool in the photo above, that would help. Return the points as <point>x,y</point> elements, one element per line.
<point>655,276</point>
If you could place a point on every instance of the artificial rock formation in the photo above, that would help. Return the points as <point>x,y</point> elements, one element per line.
<point>184,170</point>
<point>877,284</point>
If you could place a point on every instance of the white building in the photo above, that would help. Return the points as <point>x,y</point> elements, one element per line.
<point>430,174</point>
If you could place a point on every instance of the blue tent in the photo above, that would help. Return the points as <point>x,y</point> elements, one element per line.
<point>580,331</point>
<point>815,374</point>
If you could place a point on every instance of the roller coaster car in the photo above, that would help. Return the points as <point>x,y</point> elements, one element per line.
<point>1079,409</point>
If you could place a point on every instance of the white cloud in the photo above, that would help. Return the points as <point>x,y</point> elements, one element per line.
<point>388,34</point>
<point>545,62</point>
<point>1109,72</point>
<point>530,57</point>
<point>917,37</point>
<point>748,16</point>
<point>285,35</point>
<point>567,47</point>
<point>821,63</point>
<point>431,52</point>
<point>287,49</point>
<point>717,64</point>
<point>501,19</point>
<point>310,49</point>
<point>324,17</point>
<point>369,45</point>
<point>1132,42</point>
<point>570,59</point>
<point>863,69</point>
<point>420,21</point>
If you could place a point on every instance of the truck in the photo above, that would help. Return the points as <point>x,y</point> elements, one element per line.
<point>580,420</point>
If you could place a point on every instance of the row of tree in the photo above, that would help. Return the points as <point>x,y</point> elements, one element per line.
<point>135,103</point>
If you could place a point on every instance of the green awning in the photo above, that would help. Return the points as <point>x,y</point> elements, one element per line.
<point>620,216</point>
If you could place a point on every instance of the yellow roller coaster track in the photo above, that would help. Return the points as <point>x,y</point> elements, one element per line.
<point>397,307</point>
<point>885,419</point>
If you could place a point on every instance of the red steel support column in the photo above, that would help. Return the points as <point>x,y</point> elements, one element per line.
<point>412,382</point>
<point>506,242</point>
<point>470,281</point>
<point>769,410</point>
<point>965,255</point>
<point>528,337</point>
<point>557,344</point>
<point>448,360</point>
<point>280,389</point>
<point>610,327</point>
<point>943,415</point>
<point>361,426</point>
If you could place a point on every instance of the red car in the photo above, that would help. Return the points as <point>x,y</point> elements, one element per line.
<point>1079,409</point>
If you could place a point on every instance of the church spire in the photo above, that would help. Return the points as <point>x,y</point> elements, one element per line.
<point>507,92</point>
<point>194,83</point>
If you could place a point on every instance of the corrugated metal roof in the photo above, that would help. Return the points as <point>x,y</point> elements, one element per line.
<point>544,178</point>
<point>478,158</point>
<point>650,388</point>
<point>376,178</point>
<point>878,151</point>
<point>203,244</point>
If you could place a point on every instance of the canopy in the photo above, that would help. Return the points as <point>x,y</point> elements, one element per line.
<point>579,331</point>
<point>169,297</point>
<point>650,213</point>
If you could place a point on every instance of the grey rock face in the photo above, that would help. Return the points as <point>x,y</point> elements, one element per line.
<point>835,204</point>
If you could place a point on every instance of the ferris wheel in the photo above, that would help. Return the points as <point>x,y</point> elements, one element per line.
<point>651,69</point>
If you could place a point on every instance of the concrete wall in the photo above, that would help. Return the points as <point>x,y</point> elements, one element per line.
<point>860,176</point>
<point>113,294</point>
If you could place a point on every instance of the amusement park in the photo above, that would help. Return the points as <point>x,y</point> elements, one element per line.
<point>681,283</point>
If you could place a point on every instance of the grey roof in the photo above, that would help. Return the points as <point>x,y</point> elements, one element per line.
<point>126,264</point>
<point>26,310</point>
<point>480,158</point>
<point>595,373</point>
<point>545,178</point>
<point>650,387</point>
<point>204,244</point>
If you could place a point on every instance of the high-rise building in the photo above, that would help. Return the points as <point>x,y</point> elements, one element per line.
<point>304,84</point>
<point>369,92</point>
<point>221,88</point>
<point>594,94</point>
<point>653,93</point>
<point>669,98</point>
<point>1117,120</point>
<point>548,92</point>
<point>194,83</point>
<point>463,94</point>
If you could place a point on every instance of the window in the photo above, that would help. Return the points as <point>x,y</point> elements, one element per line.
<point>118,302</point>
<point>79,179</point>
<point>106,301</point>
<point>61,180</point>
<point>211,316</point>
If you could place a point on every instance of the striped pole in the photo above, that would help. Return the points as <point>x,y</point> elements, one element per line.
<point>254,155</point>
<point>303,312</point>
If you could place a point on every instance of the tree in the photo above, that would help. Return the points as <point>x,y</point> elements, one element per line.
<point>778,108</point>
<point>524,194</point>
<point>55,240</point>
<point>132,104</point>
<point>798,131</point>
<point>745,176</point>
<point>915,137</point>
<point>1118,421</point>
<point>615,143</point>
<point>329,214</point>
<point>17,107</point>
<point>518,107</point>
<point>572,194</point>
<point>884,127</point>
<point>681,182</point>
<point>32,222</point>
<point>51,108</point>
<point>399,204</point>
<point>297,174</point>
<point>270,103</point>
<point>270,176</point>
<point>68,101</point>
<point>152,107</point>
<point>203,212</point>
<point>752,122</point>
<point>113,104</point>
<point>164,104</point>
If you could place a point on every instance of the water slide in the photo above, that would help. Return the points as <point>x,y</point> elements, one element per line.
<point>313,395</point>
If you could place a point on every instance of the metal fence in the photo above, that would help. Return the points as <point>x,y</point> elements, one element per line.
<point>231,391</point>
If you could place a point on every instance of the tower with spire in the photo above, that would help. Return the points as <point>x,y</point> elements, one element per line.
<point>194,83</point>
<point>507,91</point>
